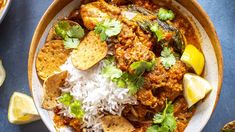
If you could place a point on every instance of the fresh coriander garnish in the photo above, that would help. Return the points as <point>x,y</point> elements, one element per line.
<point>75,107</point>
<point>133,81</point>
<point>70,34</point>
<point>164,121</point>
<point>108,28</point>
<point>164,14</point>
<point>139,67</point>
<point>167,58</point>
<point>66,99</point>
<point>156,29</point>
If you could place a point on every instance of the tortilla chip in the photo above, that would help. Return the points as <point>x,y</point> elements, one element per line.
<point>50,58</point>
<point>52,34</point>
<point>89,52</point>
<point>51,88</point>
<point>116,124</point>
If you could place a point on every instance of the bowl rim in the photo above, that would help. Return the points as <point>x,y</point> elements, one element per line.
<point>5,10</point>
<point>57,5</point>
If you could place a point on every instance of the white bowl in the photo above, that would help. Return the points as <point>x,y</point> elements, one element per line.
<point>210,46</point>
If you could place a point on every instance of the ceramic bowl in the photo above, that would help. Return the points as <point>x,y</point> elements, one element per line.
<point>190,8</point>
<point>4,9</point>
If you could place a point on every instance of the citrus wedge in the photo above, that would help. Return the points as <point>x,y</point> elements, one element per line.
<point>195,88</point>
<point>21,109</point>
<point>2,73</point>
<point>192,57</point>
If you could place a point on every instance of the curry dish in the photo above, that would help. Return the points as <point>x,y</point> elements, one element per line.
<point>122,66</point>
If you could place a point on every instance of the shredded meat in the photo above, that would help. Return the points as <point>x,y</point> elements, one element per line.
<point>134,45</point>
<point>61,121</point>
<point>182,113</point>
<point>162,84</point>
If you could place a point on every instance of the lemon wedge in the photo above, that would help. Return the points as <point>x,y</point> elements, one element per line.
<point>195,88</point>
<point>21,109</point>
<point>192,57</point>
<point>2,73</point>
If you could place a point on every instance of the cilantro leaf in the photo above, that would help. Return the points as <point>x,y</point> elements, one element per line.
<point>155,28</point>
<point>76,109</point>
<point>123,79</point>
<point>71,35</point>
<point>111,72</point>
<point>66,99</point>
<point>152,128</point>
<point>140,67</point>
<point>165,121</point>
<point>108,28</point>
<point>61,28</point>
<point>76,32</point>
<point>167,58</point>
<point>71,43</point>
<point>164,14</point>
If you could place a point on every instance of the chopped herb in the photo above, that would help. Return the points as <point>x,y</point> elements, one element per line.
<point>164,14</point>
<point>133,82</point>
<point>61,29</point>
<point>66,99</point>
<point>70,34</point>
<point>164,121</point>
<point>155,28</point>
<point>108,28</point>
<point>111,72</point>
<point>140,67</point>
<point>76,32</point>
<point>125,80</point>
<point>76,109</point>
<point>167,58</point>
<point>71,43</point>
<point>73,105</point>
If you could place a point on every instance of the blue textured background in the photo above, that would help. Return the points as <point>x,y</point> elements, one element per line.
<point>18,27</point>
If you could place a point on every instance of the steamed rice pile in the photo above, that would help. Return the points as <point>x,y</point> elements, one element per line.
<point>98,94</point>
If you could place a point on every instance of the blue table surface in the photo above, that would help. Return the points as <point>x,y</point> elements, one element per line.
<point>17,29</point>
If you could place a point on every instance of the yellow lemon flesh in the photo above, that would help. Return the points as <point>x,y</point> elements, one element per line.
<point>192,57</point>
<point>21,109</point>
<point>195,88</point>
<point>2,73</point>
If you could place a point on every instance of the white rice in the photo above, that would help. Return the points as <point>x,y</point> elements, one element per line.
<point>98,94</point>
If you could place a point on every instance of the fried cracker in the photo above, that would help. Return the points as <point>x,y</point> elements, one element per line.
<point>50,58</point>
<point>112,123</point>
<point>51,88</point>
<point>90,51</point>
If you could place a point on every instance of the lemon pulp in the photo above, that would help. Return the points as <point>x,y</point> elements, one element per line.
<point>21,109</point>
<point>192,57</point>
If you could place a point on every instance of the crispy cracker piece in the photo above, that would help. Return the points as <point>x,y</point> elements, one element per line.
<point>112,123</point>
<point>51,88</point>
<point>90,51</point>
<point>52,34</point>
<point>50,58</point>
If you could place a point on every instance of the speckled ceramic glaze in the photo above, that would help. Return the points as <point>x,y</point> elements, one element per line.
<point>210,47</point>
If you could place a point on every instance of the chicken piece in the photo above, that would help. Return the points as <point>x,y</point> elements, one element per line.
<point>162,84</point>
<point>95,12</point>
<point>172,78</point>
<point>182,113</point>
